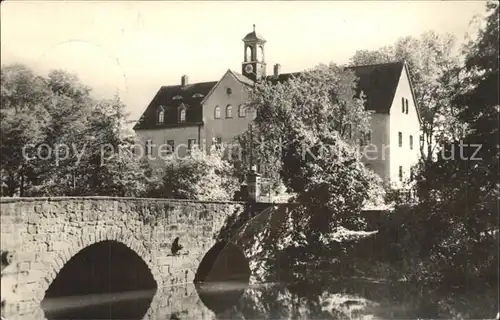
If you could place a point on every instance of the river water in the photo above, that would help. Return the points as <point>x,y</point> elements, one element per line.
<point>353,299</point>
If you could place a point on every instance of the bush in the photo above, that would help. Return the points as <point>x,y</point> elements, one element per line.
<point>198,176</point>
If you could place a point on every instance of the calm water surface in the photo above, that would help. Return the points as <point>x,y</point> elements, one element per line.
<point>232,300</point>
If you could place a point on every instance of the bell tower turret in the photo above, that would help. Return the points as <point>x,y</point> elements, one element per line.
<point>254,63</point>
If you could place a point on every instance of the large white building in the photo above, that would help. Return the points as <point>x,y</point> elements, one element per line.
<point>185,114</point>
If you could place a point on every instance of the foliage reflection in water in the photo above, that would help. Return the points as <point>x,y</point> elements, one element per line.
<point>222,291</point>
<point>336,300</point>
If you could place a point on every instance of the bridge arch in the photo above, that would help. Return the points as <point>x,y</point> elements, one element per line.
<point>59,258</point>
<point>225,261</point>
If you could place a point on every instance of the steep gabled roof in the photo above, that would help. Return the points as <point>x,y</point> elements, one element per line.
<point>191,96</point>
<point>241,78</point>
<point>378,82</point>
<point>413,96</point>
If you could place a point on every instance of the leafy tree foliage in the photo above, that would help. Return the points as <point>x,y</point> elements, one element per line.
<point>473,193</point>
<point>73,144</point>
<point>366,57</point>
<point>452,232</point>
<point>105,164</point>
<point>24,117</point>
<point>198,176</point>
<point>306,131</point>
<point>295,112</point>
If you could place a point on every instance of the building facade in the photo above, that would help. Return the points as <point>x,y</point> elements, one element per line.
<point>183,115</point>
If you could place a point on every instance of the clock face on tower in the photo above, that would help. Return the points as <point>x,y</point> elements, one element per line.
<point>248,68</point>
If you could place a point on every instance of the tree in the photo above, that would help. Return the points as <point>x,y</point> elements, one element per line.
<point>198,176</point>
<point>456,234</point>
<point>320,100</point>
<point>109,166</point>
<point>307,130</point>
<point>479,107</point>
<point>366,57</point>
<point>433,63</point>
<point>73,144</point>
<point>66,133</point>
<point>23,114</point>
<point>479,100</point>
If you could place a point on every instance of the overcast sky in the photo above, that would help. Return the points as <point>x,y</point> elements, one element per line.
<point>135,47</point>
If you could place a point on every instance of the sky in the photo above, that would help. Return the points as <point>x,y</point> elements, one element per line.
<point>132,48</point>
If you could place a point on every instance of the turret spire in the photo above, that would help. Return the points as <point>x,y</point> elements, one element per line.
<point>254,65</point>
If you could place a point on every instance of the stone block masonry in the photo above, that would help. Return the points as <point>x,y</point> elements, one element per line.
<point>43,234</point>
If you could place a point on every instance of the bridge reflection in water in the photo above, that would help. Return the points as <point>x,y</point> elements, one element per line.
<point>352,300</point>
<point>89,287</point>
<point>107,280</point>
<point>117,305</point>
<point>222,277</point>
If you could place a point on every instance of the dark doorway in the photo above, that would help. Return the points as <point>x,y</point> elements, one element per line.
<point>222,277</point>
<point>106,280</point>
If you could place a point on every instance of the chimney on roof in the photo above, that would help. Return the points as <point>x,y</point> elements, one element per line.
<point>184,80</point>
<point>277,69</point>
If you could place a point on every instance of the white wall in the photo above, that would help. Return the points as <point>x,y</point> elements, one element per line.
<point>224,128</point>
<point>407,124</point>
<point>160,136</point>
<point>377,155</point>
<point>384,129</point>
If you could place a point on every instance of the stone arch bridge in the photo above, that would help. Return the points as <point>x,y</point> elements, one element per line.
<point>40,236</point>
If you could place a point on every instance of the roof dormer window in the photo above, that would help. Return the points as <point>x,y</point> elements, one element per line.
<point>198,95</point>
<point>182,116</point>
<point>161,115</point>
<point>182,113</point>
<point>177,97</point>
